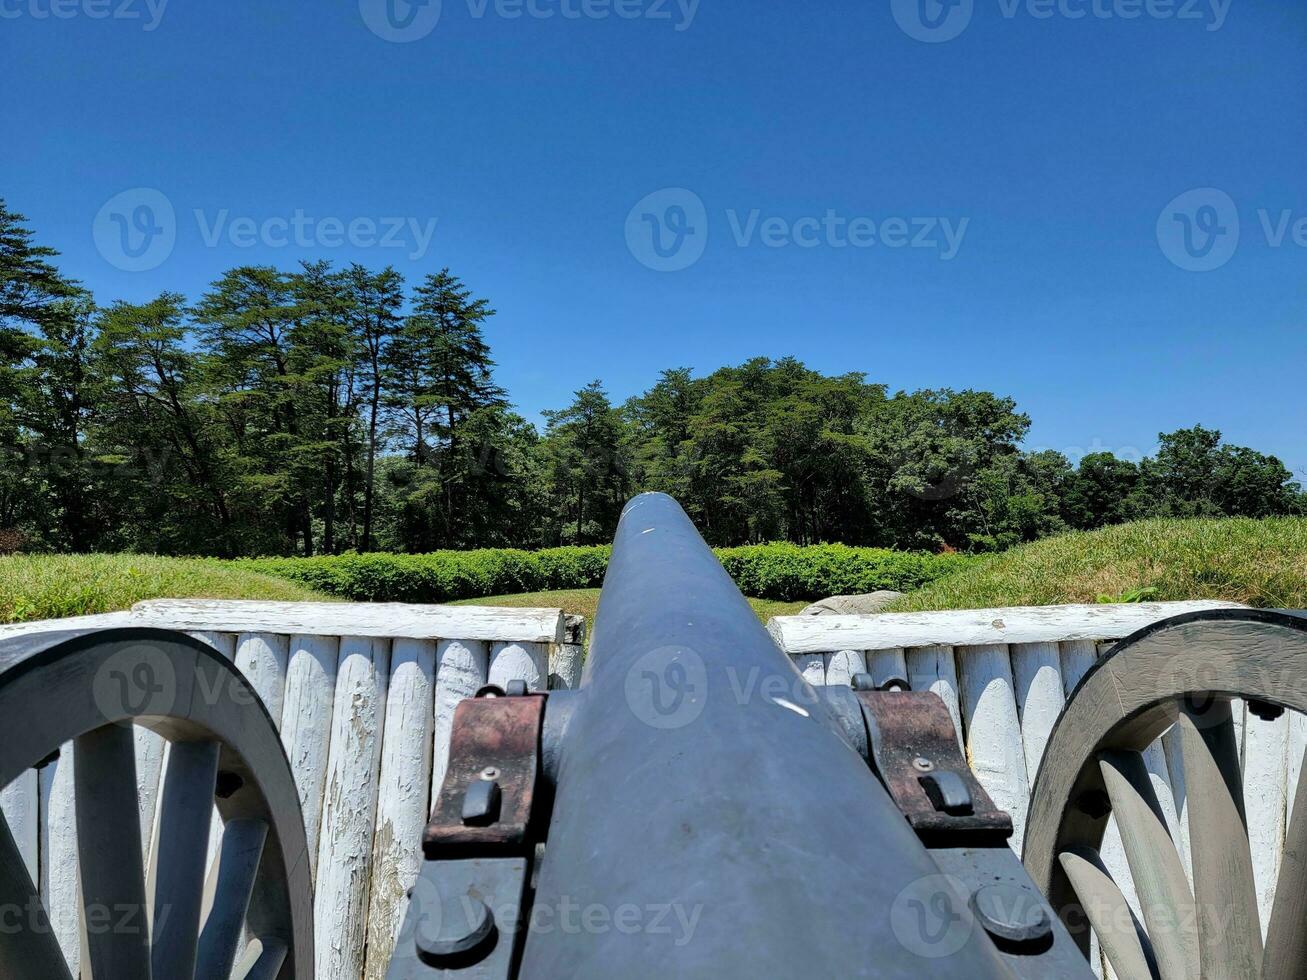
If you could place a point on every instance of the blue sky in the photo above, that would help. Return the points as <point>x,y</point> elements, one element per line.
<point>1098,207</point>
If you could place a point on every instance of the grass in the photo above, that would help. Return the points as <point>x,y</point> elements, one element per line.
<point>1260,563</point>
<point>53,586</point>
<point>585,602</point>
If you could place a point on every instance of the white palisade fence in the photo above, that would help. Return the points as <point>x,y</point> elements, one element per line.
<point>364,697</point>
<point>1005,675</point>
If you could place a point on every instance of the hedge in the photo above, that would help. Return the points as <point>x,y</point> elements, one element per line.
<point>772,571</point>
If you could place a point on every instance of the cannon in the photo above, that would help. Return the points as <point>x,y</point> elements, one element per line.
<point>694,808</point>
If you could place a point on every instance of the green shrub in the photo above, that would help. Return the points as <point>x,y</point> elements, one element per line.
<point>772,571</point>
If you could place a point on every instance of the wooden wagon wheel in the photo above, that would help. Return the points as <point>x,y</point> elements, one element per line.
<point>1181,672</point>
<point>252,918</point>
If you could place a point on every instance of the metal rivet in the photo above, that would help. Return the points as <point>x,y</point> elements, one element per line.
<point>1011,914</point>
<point>466,930</point>
<point>922,764</point>
<point>489,773</point>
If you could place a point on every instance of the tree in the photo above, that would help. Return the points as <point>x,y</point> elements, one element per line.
<point>372,304</point>
<point>1193,475</point>
<point>587,466</point>
<point>1100,492</point>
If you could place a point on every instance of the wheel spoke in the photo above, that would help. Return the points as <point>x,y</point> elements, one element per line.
<point>116,936</point>
<point>177,857</point>
<point>237,865</point>
<point>31,949</point>
<point>1230,937</point>
<point>1164,895</point>
<point>262,960</point>
<point>1286,939</point>
<point>1119,932</point>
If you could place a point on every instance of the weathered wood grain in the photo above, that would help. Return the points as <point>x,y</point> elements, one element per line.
<point>20,803</point>
<point>934,669</point>
<point>994,749</point>
<point>1037,675</point>
<point>350,808</point>
<point>403,803</point>
<point>373,619</point>
<point>974,627</point>
<point>1266,745</point>
<point>59,888</point>
<point>519,661</point>
<point>306,723</point>
<point>886,665</point>
<point>843,665</point>
<point>462,668</point>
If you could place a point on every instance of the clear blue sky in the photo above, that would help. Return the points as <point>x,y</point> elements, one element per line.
<point>1054,143</point>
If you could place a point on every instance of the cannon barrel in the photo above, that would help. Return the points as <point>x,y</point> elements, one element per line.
<point>705,799</point>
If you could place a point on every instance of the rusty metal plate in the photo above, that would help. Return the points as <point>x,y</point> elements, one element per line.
<point>493,740</point>
<point>915,751</point>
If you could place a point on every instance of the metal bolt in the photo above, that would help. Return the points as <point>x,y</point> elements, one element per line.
<point>516,688</point>
<point>465,932</point>
<point>894,684</point>
<point>1012,914</point>
<point>489,773</point>
<point>1264,710</point>
<point>863,682</point>
<point>922,764</point>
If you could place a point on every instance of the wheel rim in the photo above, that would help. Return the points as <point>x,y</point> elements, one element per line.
<point>249,915</point>
<point>1175,678</point>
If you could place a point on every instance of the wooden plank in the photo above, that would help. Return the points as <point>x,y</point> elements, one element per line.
<point>1297,753</point>
<point>934,668</point>
<point>994,749</point>
<point>886,665</point>
<point>1264,773</point>
<point>462,668</point>
<point>1174,753</point>
<point>98,621</point>
<point>110,863</point>
<point>519,661</point>
<point>813,667</point>
<point>177,857</point>
<point>1076,657</point>
<point>1159,774</point>
<point>20,804</point>
<point>403,799</point>
<point>567,659</point>
<point>843,665</point>
<point>1037,675</point>
<point>1223,872</point>
<point>371,619</point>
<point>1123,940</point>
<point>59,888</point>
<point>231,886</point>
<point>1164,895</point>
<point>30,949</point>
<point>350,808</point>
<point>306,723</point>
<point>262,659</point>
<point>974,627</point>
<point>1286,938</point>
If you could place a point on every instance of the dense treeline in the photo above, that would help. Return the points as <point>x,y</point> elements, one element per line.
<point>324,410</point>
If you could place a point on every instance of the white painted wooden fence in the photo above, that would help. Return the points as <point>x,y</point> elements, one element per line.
<point>1006,673</point>
<point>364,696</point>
